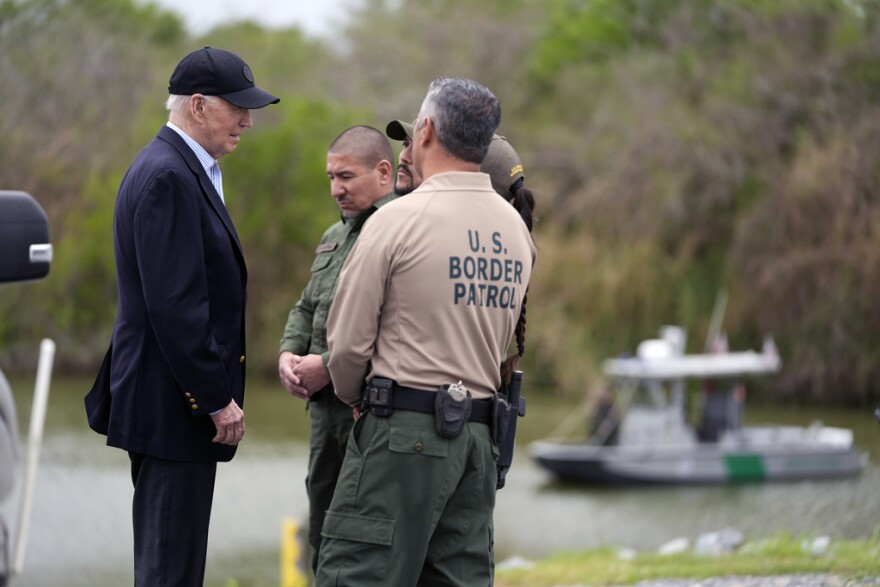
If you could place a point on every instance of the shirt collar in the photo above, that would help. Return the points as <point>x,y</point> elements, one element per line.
<point>456,180</point>
<point>204,158</point>
<point>362,217</point>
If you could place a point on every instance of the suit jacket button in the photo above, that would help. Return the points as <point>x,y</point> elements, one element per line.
<point>195,406</point>
<point>192,400</point>
<point>241,359</point>
<point>188,394</point>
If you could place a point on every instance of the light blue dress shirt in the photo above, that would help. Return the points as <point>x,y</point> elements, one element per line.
<point>208,162</point>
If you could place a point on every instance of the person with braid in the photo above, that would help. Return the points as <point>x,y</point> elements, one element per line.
<point>426,306</point>
<point>505,169</point>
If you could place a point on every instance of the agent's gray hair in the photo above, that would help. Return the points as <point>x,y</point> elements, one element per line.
<point>465,115</point>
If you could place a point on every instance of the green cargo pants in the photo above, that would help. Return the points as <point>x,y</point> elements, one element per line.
<point>411,508</point>
<point>330,422</point>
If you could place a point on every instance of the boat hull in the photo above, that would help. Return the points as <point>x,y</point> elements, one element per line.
<point>716,463</point>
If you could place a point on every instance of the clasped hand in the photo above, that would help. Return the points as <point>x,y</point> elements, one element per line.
<point>302,376</point>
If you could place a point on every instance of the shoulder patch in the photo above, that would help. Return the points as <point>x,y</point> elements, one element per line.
<point>326,248</point>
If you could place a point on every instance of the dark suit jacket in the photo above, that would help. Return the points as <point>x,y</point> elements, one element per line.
<point>178,346</point>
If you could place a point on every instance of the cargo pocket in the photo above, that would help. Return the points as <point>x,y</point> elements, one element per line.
<point>356,549</point>
<point>418,441</point>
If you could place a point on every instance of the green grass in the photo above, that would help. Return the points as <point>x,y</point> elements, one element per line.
<point>784,554</point>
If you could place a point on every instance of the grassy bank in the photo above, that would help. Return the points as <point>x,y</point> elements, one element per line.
<point>784,554</point>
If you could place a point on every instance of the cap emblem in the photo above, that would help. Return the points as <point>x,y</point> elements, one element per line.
<point>247,73</point>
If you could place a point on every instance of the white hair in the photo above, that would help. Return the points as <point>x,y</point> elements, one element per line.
<point>176,103</point>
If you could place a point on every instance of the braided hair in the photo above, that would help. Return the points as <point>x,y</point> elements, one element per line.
<point>523,201</point>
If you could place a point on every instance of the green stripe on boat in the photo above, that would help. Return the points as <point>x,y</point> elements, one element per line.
<point>744,467</point>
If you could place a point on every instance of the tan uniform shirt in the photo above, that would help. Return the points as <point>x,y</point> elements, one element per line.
<point>432,290</point>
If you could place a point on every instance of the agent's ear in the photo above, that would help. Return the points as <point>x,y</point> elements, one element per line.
<point>385,169</point>
<point>426,132</point>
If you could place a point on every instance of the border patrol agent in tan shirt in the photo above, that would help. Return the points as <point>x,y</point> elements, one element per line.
<point>428,298</point>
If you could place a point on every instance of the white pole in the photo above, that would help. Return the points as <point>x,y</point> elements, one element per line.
<point>35,437</point>
<point>717,318</point>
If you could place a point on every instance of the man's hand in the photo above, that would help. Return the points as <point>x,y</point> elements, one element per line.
<point>312,373</point>
<point>230,425</point>
<point>302,376</point>
<point>287,362</point>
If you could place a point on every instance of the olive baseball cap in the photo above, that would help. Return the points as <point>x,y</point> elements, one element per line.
<point>399,130</point>
<point>503,165</point>
<point>215,72</point>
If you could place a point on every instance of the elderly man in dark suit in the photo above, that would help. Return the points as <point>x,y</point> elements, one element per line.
<point>172,385</point>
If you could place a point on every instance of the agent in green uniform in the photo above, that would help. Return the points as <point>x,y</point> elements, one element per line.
<point>359,165</point>
<point>429,298</point>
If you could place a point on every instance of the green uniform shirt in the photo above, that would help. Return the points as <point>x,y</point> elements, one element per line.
<point>306,329</point>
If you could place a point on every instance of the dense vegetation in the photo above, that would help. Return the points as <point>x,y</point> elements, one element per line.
<point>678,148</point>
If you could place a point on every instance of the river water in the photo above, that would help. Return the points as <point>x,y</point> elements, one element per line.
<point>80,533</point>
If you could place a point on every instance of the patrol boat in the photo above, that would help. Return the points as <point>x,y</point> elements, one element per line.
<point>641,433</point>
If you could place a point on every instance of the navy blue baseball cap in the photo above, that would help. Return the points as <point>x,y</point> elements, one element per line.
<point>215,72</point>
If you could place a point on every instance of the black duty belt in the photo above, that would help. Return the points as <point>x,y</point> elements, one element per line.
<point>419,400</point>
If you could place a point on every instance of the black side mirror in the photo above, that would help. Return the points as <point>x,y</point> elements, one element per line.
<point>25,250</point>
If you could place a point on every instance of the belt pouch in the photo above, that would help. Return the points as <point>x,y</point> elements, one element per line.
<point>501,419</point>
<point>379,397</point>
<point>452,407</point>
